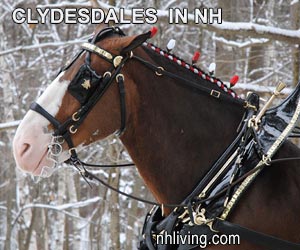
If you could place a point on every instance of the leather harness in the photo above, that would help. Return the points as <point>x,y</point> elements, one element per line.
<point>205,210</point>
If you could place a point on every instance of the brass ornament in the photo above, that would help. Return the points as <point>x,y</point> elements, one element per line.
<point>97,50</point>
<point>86,84</point>
<point>117,61</point>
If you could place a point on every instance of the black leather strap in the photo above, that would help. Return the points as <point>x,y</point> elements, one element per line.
<point>120,81</point>
<point>37,108</point>
<point>270,242</point>
<point>188,83</point>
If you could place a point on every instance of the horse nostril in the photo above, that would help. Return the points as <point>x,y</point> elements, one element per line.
<point>24,149</point>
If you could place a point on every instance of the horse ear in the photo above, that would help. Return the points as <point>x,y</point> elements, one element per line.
<point>136,42</point>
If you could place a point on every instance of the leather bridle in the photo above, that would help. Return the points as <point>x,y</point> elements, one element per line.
<point>69,127</point>
<point>64,130</point>
<point>99,85</point>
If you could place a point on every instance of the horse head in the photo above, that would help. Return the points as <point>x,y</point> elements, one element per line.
<point>178,121</point>
<point>170,105</point>
<point>87,87</point>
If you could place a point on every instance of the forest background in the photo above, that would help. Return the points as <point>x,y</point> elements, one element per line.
<point>258,40</point>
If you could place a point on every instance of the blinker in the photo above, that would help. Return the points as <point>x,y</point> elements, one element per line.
<point>84,83</point>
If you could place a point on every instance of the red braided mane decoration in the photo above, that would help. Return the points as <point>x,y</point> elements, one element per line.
<point>192,68</point>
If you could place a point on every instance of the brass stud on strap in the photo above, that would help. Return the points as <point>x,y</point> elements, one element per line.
<point>119,75</point>
<point>72,149</point>
<point>117,60</point>
<point>72,129</point>
<point>247,105</point>
<point>74,118</point>
<point>159,71</point>
<point>107,73</point>
<point>215,93</point>
<point>97,50</point>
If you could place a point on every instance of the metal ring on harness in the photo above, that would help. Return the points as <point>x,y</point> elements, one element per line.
<point>55,149</point>
<point>119,75</point>
<point>159,71</point>
<point>107,73</point>
<point>74,118</point>
<point>72,129</point>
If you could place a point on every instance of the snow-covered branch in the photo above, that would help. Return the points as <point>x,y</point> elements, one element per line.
<point>256,30</point>
<point>260,89</point>
<point>61,208</point>
<point>9,125</point>
<point>242,45</point>
<point>246,29</point>
<point>42,45</point>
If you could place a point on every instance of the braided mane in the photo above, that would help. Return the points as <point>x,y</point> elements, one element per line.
<point>192,68</point>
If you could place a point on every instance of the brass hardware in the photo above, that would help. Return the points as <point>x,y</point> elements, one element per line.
<point>202,195</point>
<point>74,118</point>
<point>86,84</point>
<point>152,210</point>
<point>248,93</point>
<point>55,149</point>
<point>238,193</point>
<point>248,105</point>
<point>266,160</point>
<point>72,129</point>
<point>119,75</point>
<point>72,149</point>
<point>215,93</point>
<point>58,139</point>
<point>276,92</point>
<point>162,210</point>
<point>199,217</point>
<point>281,85</point>
<point>159,71</point>
<point>212,181</point>
<point>107,73</point>
<point>258,168</point>
<point>210,225</point>
<point>97,50</point>
<point>117,60</point>
<point>252,123</point>
<point>226,201</point>
<point>183,214</point>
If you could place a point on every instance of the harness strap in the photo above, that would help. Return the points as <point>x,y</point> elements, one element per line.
<point>39,109</point>
<point>270,242</point>
<point>120,81</point>
<point>191,84</point>
<point>98,51</point>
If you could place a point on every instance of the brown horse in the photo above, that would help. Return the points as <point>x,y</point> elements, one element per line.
<point>174,133</point>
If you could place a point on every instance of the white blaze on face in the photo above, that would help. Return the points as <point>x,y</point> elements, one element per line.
<point>31,141</point>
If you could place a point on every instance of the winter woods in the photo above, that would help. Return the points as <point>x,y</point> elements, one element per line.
<point>258,40</point>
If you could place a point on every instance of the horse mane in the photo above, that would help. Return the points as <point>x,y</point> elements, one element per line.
<point>189,68</point>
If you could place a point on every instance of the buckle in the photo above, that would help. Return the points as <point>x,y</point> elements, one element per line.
<point>215,93</point>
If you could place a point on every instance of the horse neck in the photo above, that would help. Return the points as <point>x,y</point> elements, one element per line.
<point>175,134</point>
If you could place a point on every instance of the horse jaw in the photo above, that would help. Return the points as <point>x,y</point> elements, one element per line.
<point>30,145</point>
